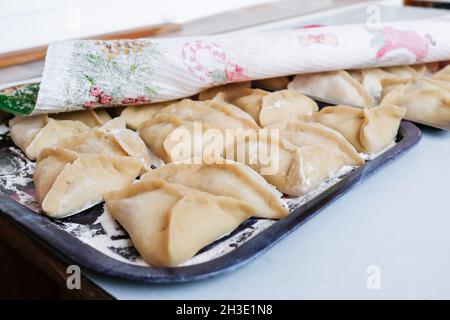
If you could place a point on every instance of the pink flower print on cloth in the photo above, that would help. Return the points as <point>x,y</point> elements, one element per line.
<point>208,62</point>
<point>389,39</point>
<point>308,39</point>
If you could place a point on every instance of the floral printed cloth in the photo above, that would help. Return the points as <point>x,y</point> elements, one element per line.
<point>88,74</point>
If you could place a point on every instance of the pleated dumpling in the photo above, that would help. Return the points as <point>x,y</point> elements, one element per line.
<point>91,118</point>
<point>135,115</point>
<point>336,86</point>
<point>292,170</point>
<point>32,134</point>
<point>169,223</point>
<point>216,112</point>
<point>172,139</point>
<point>249,100</point>
<point>300,134</point>
<point>426,100</point>
<point>230,91</point>
<point>375,79</point>
<point>229,179</point>
<point>271,107</point>
<point>368,130</point>
<point>285,105</point>
<point>67,182</point>
<point>111,139</point>
<point>405,72</point>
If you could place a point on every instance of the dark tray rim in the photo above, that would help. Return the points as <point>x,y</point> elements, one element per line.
<point>74,251</point>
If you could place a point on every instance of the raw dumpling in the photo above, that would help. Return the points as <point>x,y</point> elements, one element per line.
<point>292,170</point>
<point>135,115</point>
<point>91,118</point>
<point>229,179</point>
<point>230,90</point>
<point>111,139</point>
<point>172,139</point>
<point>278,83</point>
<point>215,112</point>
<point>300,134</point>
<point>67,182</point>
<point>249,100</point>
<point>169,223</point>
<point>426,100</point>
<point>375,79</point>
<point>268,108</point>
<point>335,86</point>
<point>368,130</point>
<point>32,134</point>
<point>406,73</point>
<point>285,105</point>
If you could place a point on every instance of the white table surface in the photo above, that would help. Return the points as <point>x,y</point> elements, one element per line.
<point>398,219</point>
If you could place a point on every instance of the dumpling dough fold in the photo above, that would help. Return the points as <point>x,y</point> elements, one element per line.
<point>172,139</point>
<point>111,139</point>
<point>285,105</point>
<point>292,170</point>
<point>67,182</point>
<point>368,130</point>
<point>303,134</point>
<point>135,115</point>
<point>229,179</point>
<point>230,91</point>
<point>426,100</point>
<point>34,133</point>
<point>91,118</point>
<point>169,223</point>
<point>338,87</point>
<point>215,112</point>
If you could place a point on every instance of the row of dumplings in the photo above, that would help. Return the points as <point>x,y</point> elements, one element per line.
<point>173,211</point>
<point>424,90</point>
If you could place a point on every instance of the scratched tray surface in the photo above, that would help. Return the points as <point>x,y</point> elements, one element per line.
<point>93,240</point>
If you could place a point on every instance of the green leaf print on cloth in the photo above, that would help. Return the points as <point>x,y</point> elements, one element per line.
<point>19,100</point>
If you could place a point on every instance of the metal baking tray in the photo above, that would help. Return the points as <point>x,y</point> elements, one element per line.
<point>252,238</point>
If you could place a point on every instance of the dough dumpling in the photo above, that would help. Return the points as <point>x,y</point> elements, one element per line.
<point>292,170</point>
<point>375,79</point>
<point>229,179</point>
<point>169,223</point>
<point>406,73</point>
<point>172,139</point>
<point>426,100</point>
<point>301,134</point>
<point>32,134</point>
<point>285,105</point>
<point>368,130</point>
<point>216,112</point>
<point>336,86</point>
<point>91,118</point>
<point>111,139</point>
<point>135,115</point>
<point>67,182</point>
<point>230,91</point>
<point>249,100</point>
